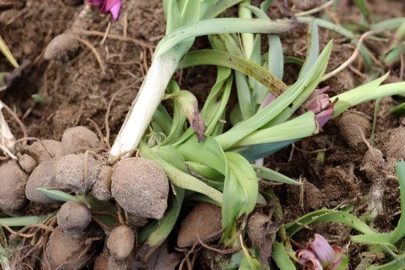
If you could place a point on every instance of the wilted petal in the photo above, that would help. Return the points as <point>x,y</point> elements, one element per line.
<point>322,249</point>
<point>324,116</point>
<point>304,255</point>
<point>317,101</point>
<point>339,253</point>
<point>308,258</point>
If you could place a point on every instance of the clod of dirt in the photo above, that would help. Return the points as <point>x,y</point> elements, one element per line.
<point>73,217</point>
<point>102,188</point>
<point>44,150</point>
<point>101,262</point>
<point>140,187</point>
<point>114,264</point>
<point>373,164</point>
<point>205,220</point>
<point>13,181</point>
<point>352,126</point>
<point>262,232</point>
<point>136,222</point>
<point>43,176</point>
<point>79,139</point>
<point>305,5</point>
<point>394,146</point>
<point>162,259</point>
<point>27,163</point>
<point>121,242</point>
<point>70,174</point>
<point>73,2</point>
<point>62,48</point>
<point>65,252</point>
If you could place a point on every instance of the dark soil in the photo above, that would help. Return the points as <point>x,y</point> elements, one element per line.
<point>77,92</point>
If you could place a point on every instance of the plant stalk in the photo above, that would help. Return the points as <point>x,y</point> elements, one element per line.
<point>144,106</point>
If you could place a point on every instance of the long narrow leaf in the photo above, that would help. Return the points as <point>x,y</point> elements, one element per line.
<point>268,174</point>
<point>221,26</point>
<point>218,58</point>
<point>307,82</point>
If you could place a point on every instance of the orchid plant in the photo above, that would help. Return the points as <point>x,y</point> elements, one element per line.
<point>202,161</point>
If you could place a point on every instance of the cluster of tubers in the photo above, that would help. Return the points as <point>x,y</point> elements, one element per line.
<point>71,165</point>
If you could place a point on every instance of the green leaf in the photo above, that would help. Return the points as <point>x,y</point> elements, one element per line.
<point>250,263</point>
<point>305,84</point>
<point>240,189</point>
<point>313,48</point>
<point>389,24</point>
<point>163,119</point>
<point>265,5</point>
<point>300,127</point>
<point>268,174</point>
<point>361,4</point>
<point>217,8</point>
<point>281,258</point>
<point>172,15</point>
<point>164,227</point>
<point>328,216</point>
<point>399,231</point>
<point>397,264</point>
<point>61,196</point>
<point>39,98</point>
<point>218,58</point>
<point>364,93</point>
<point>221,26</point>
<point>382,239</point>
<point>7,53</point>
<point>24,221</point>
<point>215,105</point>
<point>207,152</point>
<point>178,177</point>
<point>204,171</point>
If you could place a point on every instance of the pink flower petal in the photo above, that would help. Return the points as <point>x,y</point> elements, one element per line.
<point>321,247</point>
<point>115,10</point>
<point>269,99</point>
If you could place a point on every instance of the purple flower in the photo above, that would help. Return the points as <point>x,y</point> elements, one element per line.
<point>319,103</point>
<point>112,6</point>
<point>319,255</point>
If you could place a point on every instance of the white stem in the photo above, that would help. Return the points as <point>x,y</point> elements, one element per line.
<point>144,106</point>
<point>7,139</point>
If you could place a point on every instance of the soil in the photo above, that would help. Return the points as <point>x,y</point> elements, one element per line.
<point>77,91</point>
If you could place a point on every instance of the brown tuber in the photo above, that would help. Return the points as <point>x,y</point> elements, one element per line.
<point>63,47</point>
<point>205,220</point>
<point>121,242</point>
<point>13,181</point>
<point>70,174</point>
<point>73,218</point>
<point>27,163</point>
<point>102,187</point>
<point>79,139</point>
<point>44,150</point>
<point>140,187</point>
<point>352,127</point>
<point>394,146</point>
<point>43,176</point>
<point>65,252</point>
